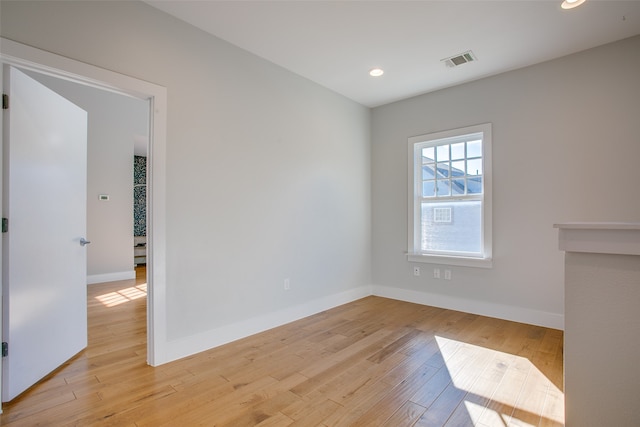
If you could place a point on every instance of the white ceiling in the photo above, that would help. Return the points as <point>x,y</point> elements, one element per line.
<point>336,43</point>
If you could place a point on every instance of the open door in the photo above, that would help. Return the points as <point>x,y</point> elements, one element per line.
<point>44,258</point>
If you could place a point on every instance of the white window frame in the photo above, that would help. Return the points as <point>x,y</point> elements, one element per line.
<point>416,143</point>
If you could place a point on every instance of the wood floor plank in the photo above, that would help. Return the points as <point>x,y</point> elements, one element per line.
<point>278,420</point>
<point>406,415</point>
<point>313,415</point>
<point>372,362</point>
<point>423,349</point>
<point>502,404</point>
<point>470,362</point>
<point>395,347</point>
<point>230,413</point>
<point>358,382</point>
<point>381,410</point>
<point>361,401</point>
<point>207,411</point>
<point>343,360</point>
<point>479,394</point>
<point>270,409</point>
<point>528,408</point>
<point>553,410</point>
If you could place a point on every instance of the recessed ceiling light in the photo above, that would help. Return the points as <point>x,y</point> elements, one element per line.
<point>376,72</point>
<point>570,4</point>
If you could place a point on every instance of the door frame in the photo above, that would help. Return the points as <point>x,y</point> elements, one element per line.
<point>33,59</point>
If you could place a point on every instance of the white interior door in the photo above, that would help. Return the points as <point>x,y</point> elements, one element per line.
<point>44,262</point>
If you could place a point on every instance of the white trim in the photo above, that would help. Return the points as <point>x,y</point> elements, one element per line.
<point>92,279</point>
<point>34,59</point>
<point>207,340</point>
<point>598,225</point>
<point>600,237</point>
<point>506,312</point>
<point>451,260</point>
<point>1,198</point>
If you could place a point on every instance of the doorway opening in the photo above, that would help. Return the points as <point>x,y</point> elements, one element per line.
<point>35,60</point>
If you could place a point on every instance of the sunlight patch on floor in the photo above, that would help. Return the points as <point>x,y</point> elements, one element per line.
<point>535,402</point>
<point>121,296</point>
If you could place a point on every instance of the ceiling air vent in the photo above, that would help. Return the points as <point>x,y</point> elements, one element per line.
<point>460,59</point>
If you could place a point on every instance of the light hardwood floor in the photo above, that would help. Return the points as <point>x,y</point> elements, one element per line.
<point>373,362</point>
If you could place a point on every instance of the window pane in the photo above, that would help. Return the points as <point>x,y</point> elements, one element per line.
<point>457,168</point>
<point>428,189</point>
<point>457,186</point>
<point>442,214</point>
<point>443,170</point>
<point>474,149</point>
<point>428,171</point>
<point>474,185</point>
<point>457,151</point>
<point>474,167</point>
<point>428,154</point>
<point>463,234</point>
<point>443,153</point>
<point>443,187</point>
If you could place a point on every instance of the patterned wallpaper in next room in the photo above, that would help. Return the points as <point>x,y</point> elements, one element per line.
<point>139,196</point>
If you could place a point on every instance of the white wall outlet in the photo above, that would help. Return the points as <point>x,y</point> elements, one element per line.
<point>436,273</point>
<point>447,275</point>
<point>287,284</point>
<point>416,271</point>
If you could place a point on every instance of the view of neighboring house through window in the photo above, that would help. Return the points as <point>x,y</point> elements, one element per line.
<point>450,197</point>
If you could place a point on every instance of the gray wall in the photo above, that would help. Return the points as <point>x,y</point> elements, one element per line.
<point>565,148</point>
<point>268,174</point>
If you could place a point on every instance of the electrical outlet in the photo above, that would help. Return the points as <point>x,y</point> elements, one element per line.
<point>436,273</point>
<point>447,275</point>
<point>416,271</point>
<point>287,284</point>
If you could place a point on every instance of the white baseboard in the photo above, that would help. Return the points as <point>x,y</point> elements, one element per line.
<point>184,347</point>
<point>506,312</point>
<point>110,277</point>
<point>203,341</point>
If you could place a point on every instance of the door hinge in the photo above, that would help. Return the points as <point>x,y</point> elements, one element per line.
<point>5,225</point>
<point>5,101</point>
<point>5,349</point>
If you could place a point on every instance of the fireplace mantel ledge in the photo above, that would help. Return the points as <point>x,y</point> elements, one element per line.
<point>621,238</point>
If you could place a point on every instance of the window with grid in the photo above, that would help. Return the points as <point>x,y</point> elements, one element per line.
<point>450,203</point>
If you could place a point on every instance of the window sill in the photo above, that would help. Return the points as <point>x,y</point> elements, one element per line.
<point>451,260</point>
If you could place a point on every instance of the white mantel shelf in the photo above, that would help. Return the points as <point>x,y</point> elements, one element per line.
<point>622,238</point>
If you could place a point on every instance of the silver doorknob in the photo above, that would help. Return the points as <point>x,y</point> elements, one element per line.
<point>84,242</point>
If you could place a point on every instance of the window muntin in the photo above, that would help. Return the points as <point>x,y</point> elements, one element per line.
<point>451,172</point>
<point>452,169</point>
